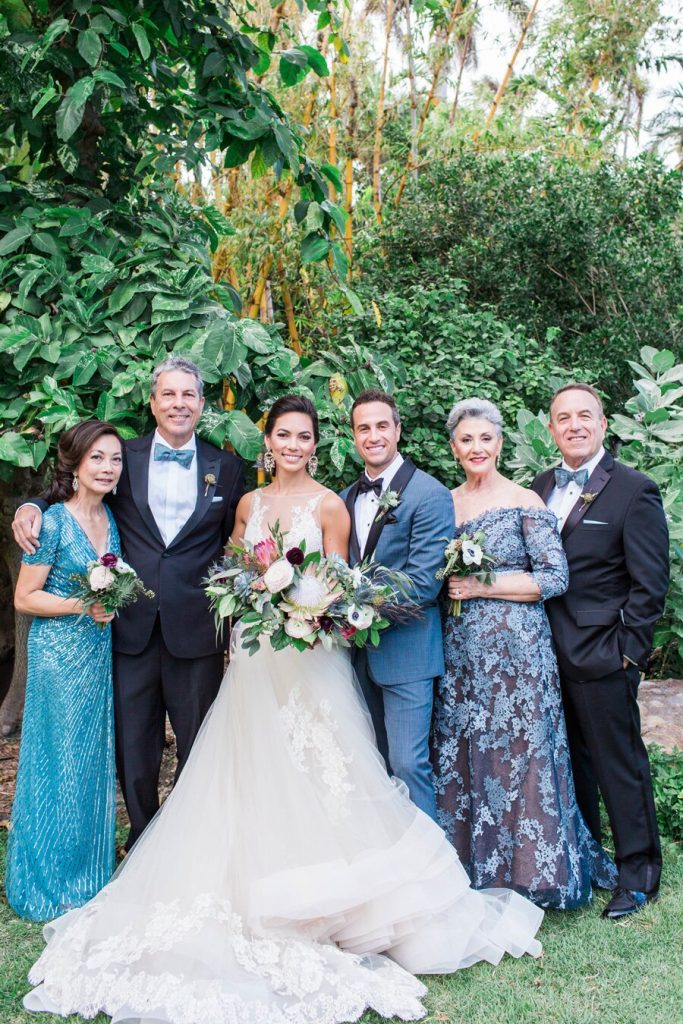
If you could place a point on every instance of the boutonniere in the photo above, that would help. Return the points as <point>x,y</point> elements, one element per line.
<point>586,498</point>
<point>210,481</point>
<point>387,500</point>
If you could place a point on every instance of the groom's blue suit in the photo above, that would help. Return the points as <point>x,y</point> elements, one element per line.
<point>398,676</point>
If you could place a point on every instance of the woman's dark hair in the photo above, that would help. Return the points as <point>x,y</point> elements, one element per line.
<point>292,403</point>
<point>74,445</point>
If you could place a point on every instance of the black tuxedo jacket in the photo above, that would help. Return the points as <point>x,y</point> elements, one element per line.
<point>175,572</point>
<point>617,548</point>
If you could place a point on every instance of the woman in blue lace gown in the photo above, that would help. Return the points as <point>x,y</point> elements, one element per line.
<point>61,845</point>
<point>505,794</point>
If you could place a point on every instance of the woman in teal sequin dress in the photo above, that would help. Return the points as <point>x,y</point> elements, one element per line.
<point>61,846</point>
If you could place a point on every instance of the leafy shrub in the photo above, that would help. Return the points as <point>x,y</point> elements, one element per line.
<point>667,782</point>
<point>594,251</point>
<point>449,353</point>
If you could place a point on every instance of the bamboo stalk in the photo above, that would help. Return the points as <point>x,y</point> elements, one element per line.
<point>463,61</point>
<point>438,68</point>
<point>413,93</point>
<point>379,123</point>
<point>508,71</point>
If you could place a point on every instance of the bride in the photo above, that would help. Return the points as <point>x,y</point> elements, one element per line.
<point>287,879</point>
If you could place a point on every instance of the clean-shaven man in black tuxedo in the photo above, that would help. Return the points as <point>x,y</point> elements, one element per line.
<point>616,540</point>
<point>174,507</point>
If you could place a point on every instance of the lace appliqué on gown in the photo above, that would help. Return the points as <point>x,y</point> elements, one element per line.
<point>313,745</point>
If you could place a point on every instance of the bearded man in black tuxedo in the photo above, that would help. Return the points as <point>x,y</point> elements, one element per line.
<point>175,508</point>
<point>616,539</point>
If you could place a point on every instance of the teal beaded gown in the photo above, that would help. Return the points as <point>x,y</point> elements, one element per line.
<point>61,845</point>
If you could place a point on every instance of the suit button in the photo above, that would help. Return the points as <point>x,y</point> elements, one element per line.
<point>164,554</point>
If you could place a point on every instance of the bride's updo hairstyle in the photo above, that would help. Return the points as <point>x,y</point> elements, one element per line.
<point>292,403</point>
<point>74,445</point>
<point>477,409</point>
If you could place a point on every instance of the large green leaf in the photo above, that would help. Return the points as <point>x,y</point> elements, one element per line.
<point>70,112</point>
<point>89,46</point>
<point>142,40</point>
<point>314,247</point>
<point>15,449</point>
<point>14,238</point>
<point>244,436</point>
<point>253,335</point>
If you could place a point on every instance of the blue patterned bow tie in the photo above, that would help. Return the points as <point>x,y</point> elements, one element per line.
<point>183,456</point>
<point>565,476</point>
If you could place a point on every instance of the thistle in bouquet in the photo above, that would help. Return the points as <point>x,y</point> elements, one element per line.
<point>466,555</point>
<point>108,581</point>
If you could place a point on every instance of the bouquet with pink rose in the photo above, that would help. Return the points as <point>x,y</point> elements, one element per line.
<point>301,600</point>
<point>109,581</point>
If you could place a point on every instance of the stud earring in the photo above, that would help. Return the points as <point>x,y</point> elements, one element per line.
<point>313,464</point>
<point>268,461</point>
<point>74,483</point>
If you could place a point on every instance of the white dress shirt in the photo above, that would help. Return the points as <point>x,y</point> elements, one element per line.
<point>562,499</point>
<point>172,493</point>
<point>367,505</point>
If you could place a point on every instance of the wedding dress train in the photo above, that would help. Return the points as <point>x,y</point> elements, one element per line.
<point>287,879</point>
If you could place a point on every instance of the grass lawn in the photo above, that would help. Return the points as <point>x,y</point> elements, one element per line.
<point>591,971</point>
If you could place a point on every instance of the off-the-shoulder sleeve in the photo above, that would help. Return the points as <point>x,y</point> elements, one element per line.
<point>546,554</point>
<point>49,537</point>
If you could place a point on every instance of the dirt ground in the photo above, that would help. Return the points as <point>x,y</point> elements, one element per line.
<point>661,706</point>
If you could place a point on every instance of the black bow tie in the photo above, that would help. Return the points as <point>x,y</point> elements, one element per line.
<point>365,485</point>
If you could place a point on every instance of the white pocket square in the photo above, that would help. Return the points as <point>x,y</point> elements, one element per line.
<point>595,522</point>
<point>216,499</point>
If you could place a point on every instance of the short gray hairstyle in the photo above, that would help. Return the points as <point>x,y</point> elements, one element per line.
<point>474,408</point>
<point>177,363</point>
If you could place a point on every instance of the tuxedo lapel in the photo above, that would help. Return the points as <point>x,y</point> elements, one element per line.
<point>599,478</point>
<point>398,485</point>
<point>547,486</point>
<point>354,547</point>
<point>137,461</point>
<point>208,468</point>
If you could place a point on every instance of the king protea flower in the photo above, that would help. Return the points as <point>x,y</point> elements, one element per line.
<point>308,597</point>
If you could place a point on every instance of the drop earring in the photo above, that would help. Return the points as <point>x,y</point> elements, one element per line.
<point>268,461</point>
<point>74,483</point>
<point>313,464</point>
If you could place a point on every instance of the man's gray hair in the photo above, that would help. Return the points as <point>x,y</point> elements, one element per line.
<point>474,408</point>
<point>177,363</point>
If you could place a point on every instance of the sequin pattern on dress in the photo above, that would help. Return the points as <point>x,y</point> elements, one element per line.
<point>61,845</point>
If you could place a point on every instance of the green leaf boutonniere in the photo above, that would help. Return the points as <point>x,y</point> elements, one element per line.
<point>387,500</point>
<point>586,498</point>
<point>210,481</point>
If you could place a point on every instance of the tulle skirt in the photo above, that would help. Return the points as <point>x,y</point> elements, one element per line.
<point>286,880</point>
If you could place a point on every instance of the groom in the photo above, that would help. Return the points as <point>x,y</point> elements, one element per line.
<point>403,518</point>
<point>175,508</point>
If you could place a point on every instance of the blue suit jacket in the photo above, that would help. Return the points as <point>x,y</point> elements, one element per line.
<point>412,538</point>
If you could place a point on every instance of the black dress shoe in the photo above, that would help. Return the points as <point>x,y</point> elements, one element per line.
<point>628,901</point>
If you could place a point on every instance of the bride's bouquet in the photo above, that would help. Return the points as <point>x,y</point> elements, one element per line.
<point>111,582</point>
<point>467,556</point>
<point>300,600</point>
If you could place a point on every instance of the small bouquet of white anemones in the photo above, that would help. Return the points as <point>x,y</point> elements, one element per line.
<point>109,581</point>
<point>300,600</point>
<point>467,556</point>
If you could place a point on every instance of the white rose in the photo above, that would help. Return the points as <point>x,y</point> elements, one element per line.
<point>471,553</point>
<point>122,566</point>
<point>100,577</point>
<point>360,617</point>
<point>298,628</point>
<point>279,575</point>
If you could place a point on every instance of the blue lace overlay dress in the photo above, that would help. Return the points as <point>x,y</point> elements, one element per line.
<point>505,794</point>
<point>61,845</point>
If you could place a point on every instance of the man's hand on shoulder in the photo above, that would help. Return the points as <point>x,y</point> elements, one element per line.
<point>26,527</point>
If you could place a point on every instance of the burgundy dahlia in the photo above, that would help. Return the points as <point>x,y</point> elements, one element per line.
<point>295,556</point>
<point>109,560</point>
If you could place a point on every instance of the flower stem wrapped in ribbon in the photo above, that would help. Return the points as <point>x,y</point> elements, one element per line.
<point>467,556</point>
<point>109,581</point>
<point>301,600</point>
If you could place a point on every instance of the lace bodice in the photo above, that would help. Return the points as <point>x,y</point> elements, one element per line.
<point>297,514</point>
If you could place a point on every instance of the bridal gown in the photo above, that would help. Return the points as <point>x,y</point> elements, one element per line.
<point>287,879</point>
